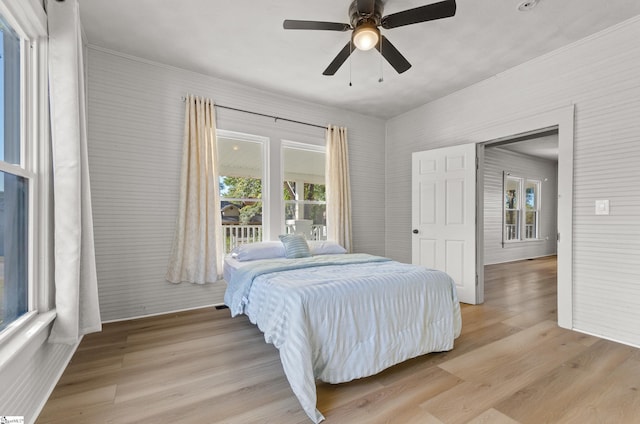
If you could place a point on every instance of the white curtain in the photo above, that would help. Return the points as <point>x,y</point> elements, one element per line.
<point>76,298</point>
<point>197,246</point>
<point>338,187</point>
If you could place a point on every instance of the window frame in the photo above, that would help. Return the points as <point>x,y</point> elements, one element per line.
<point>273,219</point>
<point>28,19</point>
<point>521,209</point>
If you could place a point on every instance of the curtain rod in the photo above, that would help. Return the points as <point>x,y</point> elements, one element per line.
<point>276,118</point>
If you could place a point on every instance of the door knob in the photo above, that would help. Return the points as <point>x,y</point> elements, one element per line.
<point>415,231</point>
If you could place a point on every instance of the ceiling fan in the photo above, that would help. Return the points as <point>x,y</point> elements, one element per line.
<point>366,17</point>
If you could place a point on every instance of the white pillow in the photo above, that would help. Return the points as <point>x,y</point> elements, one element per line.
<point>260,250</point>
<point>325,248</point>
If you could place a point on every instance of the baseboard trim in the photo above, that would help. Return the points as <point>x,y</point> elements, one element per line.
<point>175,311</point>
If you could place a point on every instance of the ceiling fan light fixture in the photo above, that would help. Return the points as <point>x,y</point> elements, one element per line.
<point>366,36</point>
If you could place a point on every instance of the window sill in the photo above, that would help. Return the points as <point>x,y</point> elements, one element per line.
<point>524,241</point>
<point>22,333</point>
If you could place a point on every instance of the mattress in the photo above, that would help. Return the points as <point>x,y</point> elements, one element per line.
<point>230,267</point>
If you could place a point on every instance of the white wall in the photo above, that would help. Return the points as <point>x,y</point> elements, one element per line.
<point>601,76</point>
<point>497,160</point>
<point>135,129</point>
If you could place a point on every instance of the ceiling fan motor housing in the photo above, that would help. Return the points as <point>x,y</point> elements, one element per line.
<point>374,18</point>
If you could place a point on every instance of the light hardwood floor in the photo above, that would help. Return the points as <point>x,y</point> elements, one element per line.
<point>512,364</point>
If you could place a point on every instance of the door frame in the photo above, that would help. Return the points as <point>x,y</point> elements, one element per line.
<point>563,120</point>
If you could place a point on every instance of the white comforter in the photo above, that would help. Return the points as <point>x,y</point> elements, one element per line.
<point>351,317</point>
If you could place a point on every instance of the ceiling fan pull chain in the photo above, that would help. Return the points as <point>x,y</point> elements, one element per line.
<point>381,79</point>
<point>351,51</point>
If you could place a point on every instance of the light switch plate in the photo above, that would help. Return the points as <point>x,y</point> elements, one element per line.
<point>602,207</point>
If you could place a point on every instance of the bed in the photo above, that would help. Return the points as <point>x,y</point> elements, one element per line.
<point>336,317</point>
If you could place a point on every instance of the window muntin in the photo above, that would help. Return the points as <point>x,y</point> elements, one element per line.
<point>304,190</point>
<point>521,208</point>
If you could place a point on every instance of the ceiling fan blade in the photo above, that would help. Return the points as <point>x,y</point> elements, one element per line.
<point>365,7</point>
<point>430,12</point>
<point>316,25</point>
<point>393,56</point>
<point>339,60</point>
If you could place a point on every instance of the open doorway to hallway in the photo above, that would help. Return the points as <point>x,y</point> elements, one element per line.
<point>520,212</point>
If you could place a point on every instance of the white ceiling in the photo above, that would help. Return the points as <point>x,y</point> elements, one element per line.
<point>244,42</point>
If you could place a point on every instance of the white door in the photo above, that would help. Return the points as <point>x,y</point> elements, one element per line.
<point>443,197</point>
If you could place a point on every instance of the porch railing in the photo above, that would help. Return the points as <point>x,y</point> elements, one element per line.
<point>511,231</point>
<point>235,235</point>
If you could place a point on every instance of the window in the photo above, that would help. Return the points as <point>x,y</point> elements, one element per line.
<point>521,208</point>
<point>16,183</point>
<point>247,214</point>
<point>241,178</point>
<point>304,190</point>
<point>531,202</point>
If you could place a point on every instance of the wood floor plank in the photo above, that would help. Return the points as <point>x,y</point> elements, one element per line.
<point>615,399</point>
<point>512,364</point>
<point>134,384</point>
<point>524,347</point>
<point>564,388</point>
<point>334,396</point>
<point>492,416</point>
<point>498,370</point>
<point>401,398</point>
<point>65,406</point>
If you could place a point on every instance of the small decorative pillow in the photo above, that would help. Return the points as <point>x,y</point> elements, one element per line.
<point>295,246</point>
<point>324,247</point>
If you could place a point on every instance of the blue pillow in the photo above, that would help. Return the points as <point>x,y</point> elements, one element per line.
<point>295,246</point>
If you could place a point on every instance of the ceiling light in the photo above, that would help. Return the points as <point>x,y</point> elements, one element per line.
<point>366,36</point>
<point>527,5</point>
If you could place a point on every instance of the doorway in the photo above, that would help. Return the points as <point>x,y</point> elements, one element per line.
<point>520,219</point>
<point>561,121</point>
<point>520,198</point>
